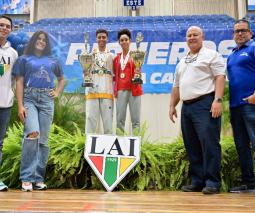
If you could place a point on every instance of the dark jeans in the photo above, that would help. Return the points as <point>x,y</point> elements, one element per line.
<point>243,124</point>
<point>4,120</point>
<point>201,135</point>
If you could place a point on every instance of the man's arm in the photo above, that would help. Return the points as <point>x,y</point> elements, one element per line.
<point>174,100</point>
<point>250,99</point>
<point>216,108</point>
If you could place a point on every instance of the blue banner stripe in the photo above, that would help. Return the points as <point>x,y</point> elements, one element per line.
<point>163,48</point>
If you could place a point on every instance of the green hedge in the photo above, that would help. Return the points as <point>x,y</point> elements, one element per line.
<point>162,166</point>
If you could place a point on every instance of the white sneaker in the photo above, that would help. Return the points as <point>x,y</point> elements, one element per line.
<point>40,186</point>
<point>27,187</point>
<point>3,187</point>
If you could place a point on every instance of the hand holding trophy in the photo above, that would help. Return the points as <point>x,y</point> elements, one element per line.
<point>86,61</point>
<point>138,58</point>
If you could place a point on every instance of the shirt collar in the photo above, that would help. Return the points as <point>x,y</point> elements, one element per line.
<point>201,50</point>
<point>6,45</point>
<point>245,45</point>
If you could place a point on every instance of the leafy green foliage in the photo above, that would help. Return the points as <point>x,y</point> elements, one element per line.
<point>69,112</point>
<point>230,172</point>
<point>162,166</point>
<point>9,172</point>
<point>226,127</point>
<point>65,156</point>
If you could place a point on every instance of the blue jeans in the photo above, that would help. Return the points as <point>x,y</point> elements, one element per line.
<point>4,120</point>
<point>201,135</point>
<point>243,124</point>
<point>35,151</point>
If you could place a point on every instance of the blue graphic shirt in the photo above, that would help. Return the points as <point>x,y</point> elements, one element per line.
<point>241,73</point>
<point>38,72</point>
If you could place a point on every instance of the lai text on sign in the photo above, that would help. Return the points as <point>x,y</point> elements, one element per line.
<point>112,157</point>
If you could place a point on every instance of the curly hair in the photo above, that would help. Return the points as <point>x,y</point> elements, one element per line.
<point>30,48</point>
<point>124,32</point>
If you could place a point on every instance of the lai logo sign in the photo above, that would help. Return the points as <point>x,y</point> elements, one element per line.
<point>112,157</point>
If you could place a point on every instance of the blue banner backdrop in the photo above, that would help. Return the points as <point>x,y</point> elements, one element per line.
<point>163,51</point>
<point>15,6</point>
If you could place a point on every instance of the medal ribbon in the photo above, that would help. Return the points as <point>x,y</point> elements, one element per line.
<point>123,62</point>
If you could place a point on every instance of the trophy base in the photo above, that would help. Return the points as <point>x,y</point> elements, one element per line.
<point>137,81</point>
<point>87,84</point>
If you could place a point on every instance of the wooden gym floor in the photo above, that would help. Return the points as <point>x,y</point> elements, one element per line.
<point>144,202</point>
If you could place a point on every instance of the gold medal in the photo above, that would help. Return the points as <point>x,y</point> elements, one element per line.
<point>122,75</point>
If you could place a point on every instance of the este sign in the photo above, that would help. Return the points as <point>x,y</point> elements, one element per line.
<point>133,3</point>
<point>112,157</point>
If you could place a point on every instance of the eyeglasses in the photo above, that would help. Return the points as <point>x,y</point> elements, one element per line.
<point>241,31</point>
<point>190,59</point>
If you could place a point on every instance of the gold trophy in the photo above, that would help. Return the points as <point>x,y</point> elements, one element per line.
<point>86,60</point>
<point>138,57</point>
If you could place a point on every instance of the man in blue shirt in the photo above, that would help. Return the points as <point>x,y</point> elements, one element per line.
<point>241,74</point>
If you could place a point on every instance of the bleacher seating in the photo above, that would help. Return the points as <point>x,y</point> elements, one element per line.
<point>169,23</point>
<point>19,23</point>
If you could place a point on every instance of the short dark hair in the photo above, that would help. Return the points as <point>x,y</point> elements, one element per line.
<point>30,48</point>
<point>102,31</point>
<point>124,32</point>
<point>243,21</point>
<point>8,18</point>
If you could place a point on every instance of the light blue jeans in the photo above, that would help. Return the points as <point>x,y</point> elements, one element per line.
<point>35,151</point>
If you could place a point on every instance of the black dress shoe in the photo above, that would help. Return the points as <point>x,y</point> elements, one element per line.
<point>191,188</point>
<point>243,188</point>
<point>210,190</point>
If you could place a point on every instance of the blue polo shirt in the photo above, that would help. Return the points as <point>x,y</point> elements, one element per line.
<point>38,72</point>
<point>241,73</point>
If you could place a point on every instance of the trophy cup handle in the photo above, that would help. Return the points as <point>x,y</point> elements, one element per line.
<point>137,77</point>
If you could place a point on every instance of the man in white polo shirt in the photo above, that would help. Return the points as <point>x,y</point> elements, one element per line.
<point>7,58</point>
<point>199,83</point>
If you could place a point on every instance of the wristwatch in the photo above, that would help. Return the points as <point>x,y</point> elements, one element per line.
<point>218,100</point>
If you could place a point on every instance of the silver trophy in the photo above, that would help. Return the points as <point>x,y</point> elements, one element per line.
<point>86,60</point>
<point>138,57</point>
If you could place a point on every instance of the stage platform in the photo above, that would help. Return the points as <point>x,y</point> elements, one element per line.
<point>128,202</point>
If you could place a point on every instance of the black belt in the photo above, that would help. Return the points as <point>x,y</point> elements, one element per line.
<point>101,72</point>
<point>191,101</point>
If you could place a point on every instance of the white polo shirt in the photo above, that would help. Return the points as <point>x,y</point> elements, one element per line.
<point>7,58</point>
<point>196,76</point>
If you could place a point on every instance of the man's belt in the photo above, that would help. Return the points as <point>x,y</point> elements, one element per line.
<point>194,100</point>
<point>101,72</point>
